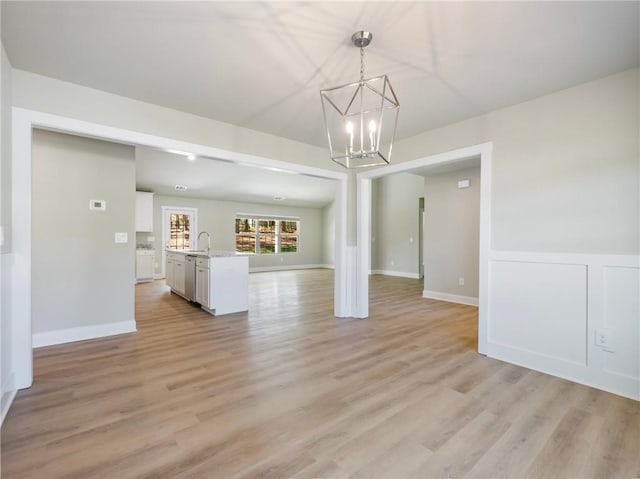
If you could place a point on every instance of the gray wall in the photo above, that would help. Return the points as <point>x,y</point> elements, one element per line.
<point>565,174</point>
<point>452,225</point>
<point>395,222</point>
<point>80,276</point>
<point>565,170</point>
<point>329,235</point>
<point>218,219</point>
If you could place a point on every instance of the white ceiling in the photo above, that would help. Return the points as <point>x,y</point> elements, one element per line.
<point>159,172</point>
<point>261,65</point>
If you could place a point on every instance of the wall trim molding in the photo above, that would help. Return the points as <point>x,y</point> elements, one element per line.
<point>264,269</point>
<point>8,395</point>
<point>398,274</point>
<point>622,260</point>
<point>82,333</point>
<point>450,298</point>
<point>603,275</point>
<point>7,400</point>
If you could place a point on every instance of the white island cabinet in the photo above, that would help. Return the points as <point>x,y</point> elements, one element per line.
<point>221,279</point>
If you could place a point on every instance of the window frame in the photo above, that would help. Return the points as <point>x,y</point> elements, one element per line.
<point>258,234</point>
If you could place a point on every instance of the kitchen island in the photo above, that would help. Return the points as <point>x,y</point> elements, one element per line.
<point>216,280</point>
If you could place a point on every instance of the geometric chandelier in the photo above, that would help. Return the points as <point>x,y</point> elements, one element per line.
<point>360,118</point>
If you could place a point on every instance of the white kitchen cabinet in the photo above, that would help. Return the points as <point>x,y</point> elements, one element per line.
<point>145,265</point>
<point>144,211</point>
<point>202,283</point>
<point>170,270</point>
<point>221,279</point>
<point>179,284</point>
<point>228,284</point>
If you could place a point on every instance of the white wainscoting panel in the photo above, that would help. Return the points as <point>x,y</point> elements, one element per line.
<point>545,308</point>
<point>540,308</point>
<point>622,317</point>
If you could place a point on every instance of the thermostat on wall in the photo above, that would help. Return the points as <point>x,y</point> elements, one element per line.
<point>97,205</point>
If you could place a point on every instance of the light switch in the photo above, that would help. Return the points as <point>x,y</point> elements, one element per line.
<point>463,184</point>
<point>121,237</point>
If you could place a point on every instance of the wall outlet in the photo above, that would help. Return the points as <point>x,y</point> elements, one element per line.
<point>604,339</point>
<point>460,281</point>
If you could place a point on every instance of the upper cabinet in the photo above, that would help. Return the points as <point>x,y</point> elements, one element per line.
<point>144,211</point>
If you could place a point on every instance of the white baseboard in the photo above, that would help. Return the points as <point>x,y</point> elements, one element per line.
<point>399,274</point>
<point>8,395</point>
<point>158,276</point>
<point>328,266</point>
<point>70,335</point>
<point>263,269</point>
<point>451,298</point>
<point>7,400</point>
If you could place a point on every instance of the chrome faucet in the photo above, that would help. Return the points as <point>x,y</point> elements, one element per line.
<point>208,240</point>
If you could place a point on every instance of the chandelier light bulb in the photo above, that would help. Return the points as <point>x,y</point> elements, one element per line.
<point>372,134</point>
<point>350,131</point>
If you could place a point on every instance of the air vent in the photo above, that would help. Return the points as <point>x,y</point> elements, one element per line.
<point>279,198</point>
<point>180,187</point>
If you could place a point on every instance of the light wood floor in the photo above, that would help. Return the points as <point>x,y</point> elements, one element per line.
<point>287,391</point>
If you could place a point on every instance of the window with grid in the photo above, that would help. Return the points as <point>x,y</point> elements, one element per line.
<point>179,231</point>
<point>267,235</point>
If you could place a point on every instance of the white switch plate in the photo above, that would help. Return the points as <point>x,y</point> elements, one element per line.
<point>460,281</point>
<point>463,184</point>
<point>604,339</point>
<point>121,237</point>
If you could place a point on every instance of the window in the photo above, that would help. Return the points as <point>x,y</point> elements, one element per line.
<point>179,231</point>
<point>266,235</point>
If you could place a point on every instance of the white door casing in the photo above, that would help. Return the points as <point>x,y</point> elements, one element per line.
<point>193,221</point>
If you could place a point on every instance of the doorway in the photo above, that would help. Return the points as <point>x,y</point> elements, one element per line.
<point>23,121</point>
<point>482,152</point>
<point>179,230</point>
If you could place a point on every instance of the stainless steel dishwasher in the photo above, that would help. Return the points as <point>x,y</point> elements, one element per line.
<point>190,277</point>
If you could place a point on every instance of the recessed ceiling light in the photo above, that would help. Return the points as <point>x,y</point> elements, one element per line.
<point>191,157</point>
<point>279,198</point>
<point>180,187</point>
